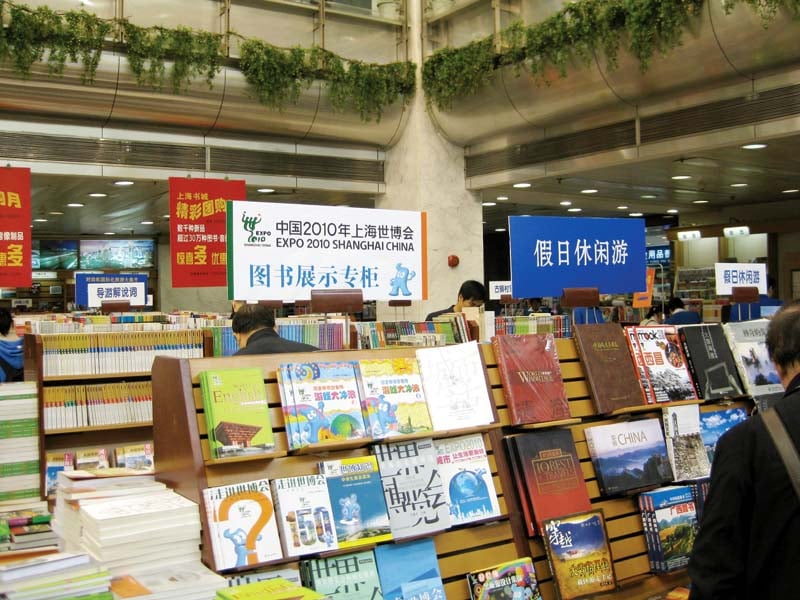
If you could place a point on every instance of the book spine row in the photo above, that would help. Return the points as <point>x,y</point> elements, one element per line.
<point>75,406</point>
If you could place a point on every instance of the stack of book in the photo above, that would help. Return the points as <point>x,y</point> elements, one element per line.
<point>19,443</point>
<point>186,581</point>
<point>26,529</point>
<point>55,576</point>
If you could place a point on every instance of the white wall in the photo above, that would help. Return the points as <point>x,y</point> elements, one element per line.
<point>699,253</point>
<point>211,299</point>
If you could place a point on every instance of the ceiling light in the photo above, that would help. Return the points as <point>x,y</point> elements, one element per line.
<point>753,146</point>
<point>736,231</point>
<point>109,233</point>
<point>165,216</point>
<point>97,195</point>
<point>647,197</point>
<point>790,191</point>
<point>622,207</point>
<point>679,191</point>
<point>123,183</point>
<point>75,205</point>
<point>502,197</point>
<point>635,214</point>
<point>147,223</point>
<point>589,191</point>
<point>679,177</point>
<point>55,212</point>
<point>488,203</point>
<point>265,190</point>
<point>40,220</point>
<point>699,201</point>
<point>738,185</point>
<point>685,236</point>
<point>565,203</point>
<point>521,185</point>
<point>500,229</point>
<point>672,211</point>
<point>574,209</point>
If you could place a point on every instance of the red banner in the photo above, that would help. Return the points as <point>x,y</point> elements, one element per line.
<point>15,228</point>
<point>197,229</point>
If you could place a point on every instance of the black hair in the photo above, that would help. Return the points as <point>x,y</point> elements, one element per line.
<point>6,321</point>
<point>674,303</point>
<point>783,336</point>
<point>472,290</point>
<point>250,317</point>
<point>652,312</point>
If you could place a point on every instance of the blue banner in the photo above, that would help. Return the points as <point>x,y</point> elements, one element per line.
<point>92,288</point>
<point>549,254</point>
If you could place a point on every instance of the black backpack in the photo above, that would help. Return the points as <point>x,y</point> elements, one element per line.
<point>12,373</point>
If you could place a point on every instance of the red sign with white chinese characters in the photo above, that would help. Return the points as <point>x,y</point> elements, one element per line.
<point>15,228</point>
<point>197,229</point>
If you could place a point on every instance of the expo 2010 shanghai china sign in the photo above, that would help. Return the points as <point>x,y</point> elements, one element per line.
<point>283,251</point>
<point>549,254</point>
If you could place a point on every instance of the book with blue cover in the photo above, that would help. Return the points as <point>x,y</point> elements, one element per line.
<point>714,423</point>
<point>407,563</point>
<point>669,516</point>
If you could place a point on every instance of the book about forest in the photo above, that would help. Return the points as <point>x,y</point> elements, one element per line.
<point>710,361</point>
<point>511,579</point>
<point>531,377</point>
<point>304,514</point>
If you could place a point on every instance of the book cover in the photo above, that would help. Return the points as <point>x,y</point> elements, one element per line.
<point>91,458</point>
<point>520,483</point>
<point>531,377</point>
<point>327,402</point>
<point>394,402</point>
<point>304,514</point>
<point>139,457</point>
<point>467,478</point>
<point>454,380</point>
<point>638,361</point>
<point>237,413</point>
<point>579,554</point>
<point>276,588</point>
<point>608,366</point>
<point>418,560</point>
<point>511,579</point>
<point>344,577</point>
<point>673,519</point>
<point>412,487</point>
<point>356,494</point>
<point>747,340</point>
<point>423,589</point>
<point>710,361</point>
<point>714,423</point>
<point>241,524</point>
<point>628,455</point>
<point>665,364</point>
<point>685,448</point>
<point>552,473</point>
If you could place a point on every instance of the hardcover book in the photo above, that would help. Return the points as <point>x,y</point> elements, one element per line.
<point>628,455</point>
<point>344,577</point>
<point>520,483</point>
<point>638,361</point>
<point>685,448</point>
<point>304,514</point>
<point>716,422</point>
<point>237,414</point>
<point>241,524</point>
<point>552,473</point>
<point>455,385</point>
<point>710,361</point>
<point>609,366</point>
<point>356,494</point>
<point>747,340</point>
<point>531,378</point>
<point>394,401</point>
<point>412,487</point>
<point>512,579</point>
<point>579,554</point>
<point>665,366</point>
<point>467,478</point>
<point>406,563</point>
<point>670,520</point>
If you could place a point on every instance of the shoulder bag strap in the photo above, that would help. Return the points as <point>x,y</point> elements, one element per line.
<point>786,448</point>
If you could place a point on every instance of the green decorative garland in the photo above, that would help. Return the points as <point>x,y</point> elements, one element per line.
<point>277,75</point>
<point>576,32</point>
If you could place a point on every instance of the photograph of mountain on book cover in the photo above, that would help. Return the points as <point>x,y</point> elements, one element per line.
<point>713,424</point>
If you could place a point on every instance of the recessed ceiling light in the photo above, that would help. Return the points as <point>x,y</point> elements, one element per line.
<point>40,220</point>
<point>521,185</point>
<point>699,201</point>
<point>123,182</point>
<point>753,146</point>
<point>97,195</point>
<point>790,191</point>
<point>56,212</point>
<point>165,216</point>
<point>574,209</point>
<point>588,191</point>
<point>265,190</point>
<point>500,229</point>
<point>679,177</point>
<point>635,214</point>
<point>502,197</point>
<point>75,205</point>
<point>488,203</point>
<point>694,192</point>
<point>565,203</point>
<point>147,223</point>
<point>622,207</point>
<point>738,185</point>
<point>672,211</point>
<point>647,197</point>
<point>109,233</point>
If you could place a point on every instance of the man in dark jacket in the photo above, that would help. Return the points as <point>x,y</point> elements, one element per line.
<point>748,544</point>
<point>471,293</point>
<point>254,329</point>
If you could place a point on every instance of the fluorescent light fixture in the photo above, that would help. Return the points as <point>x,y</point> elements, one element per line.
<point>165,216</point>
<point>500,229</point>
<point>521,186</point>
<point>738,185</point>
<point>55,212</point>
<point>680,177</point>
<point>565,203</point>
<point>790,191</point>
<point>97,195</point>
<point>623,207</point>
<point>502,198</point>
<point>265,190</point>
<point>75,205</point>
<point>574,209</point>
<point>672,211</point>
<point>109,233</point>
<point>754,146</point>
<point>40,220</point>
<point>123,183</point>
<point>635,214</point>
<point>147,223</point>
<point>736,231</point>
<point>488,203</point>
<point>647,197</point>
<point>679,191</point>
<point>699,201</point>
<point>589,191</point>
<point>693,234</point>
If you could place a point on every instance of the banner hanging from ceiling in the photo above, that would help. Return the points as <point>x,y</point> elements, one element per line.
<point>15,228</point>
<point>197,229</point>
<point>283,251</point>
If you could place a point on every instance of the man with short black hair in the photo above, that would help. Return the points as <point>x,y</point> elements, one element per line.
<point>471,293</point>
<point>254,329</point>
<point>678,315</point>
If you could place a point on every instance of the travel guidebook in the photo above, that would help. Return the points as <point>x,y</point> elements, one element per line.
<point>685,448</point>
<point>628,455</point>
<point>417,562</point>
<point>710,361</point>
<point>748,344</point>
<point>716,422</point>
<point>508,580</point>
<point>237,412</point>
<point>670,523</point>
<point>343,577</point>
<point>579,555</point>
<point>664,364</point>
<point>531,377</point>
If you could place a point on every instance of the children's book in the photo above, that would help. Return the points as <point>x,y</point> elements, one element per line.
<point>511,579</point>
<point>714,423</point>
<point>343,577</point>
<point>403,564</point>
<point>394,401</point>
<point>356,494</point>
<point>237,413</point>
<point>685,448</point>
<point>304,514</point>
<point>467,478</point>
<point>242,525</point>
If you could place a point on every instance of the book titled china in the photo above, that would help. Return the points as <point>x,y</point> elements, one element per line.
<point>664,364</point>
<point>237,412</point>
<point>748,343</point>
<point>343,577</point>
<point>467,478</point>
<point>579,555</point>
<point>394,400</point>
<point>408,567</point>
<point>685,448</point>
<point>669,517</point>
<point>531,377</point>
<point>356,495</point>
<point>456,388</point>
<point>304,514</point>
<point>628,455</point>
<point>241,524</point>
<point>710,361</point>
<point>412,487</point>
<point>511,579</point>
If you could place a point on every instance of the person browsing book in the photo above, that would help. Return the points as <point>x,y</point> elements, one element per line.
<point>749,537</point>
<point>10,349</point>
<point>471,293</point>
<point>678,315</point>
<point>254,329</point>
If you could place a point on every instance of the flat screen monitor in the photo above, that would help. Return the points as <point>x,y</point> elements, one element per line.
<point>117,254</point>
<point>54,254</point>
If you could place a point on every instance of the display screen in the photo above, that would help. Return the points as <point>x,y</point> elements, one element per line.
<point>54,254</point>
<point>117,254</point>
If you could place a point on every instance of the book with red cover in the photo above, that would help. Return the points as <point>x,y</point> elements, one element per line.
<point>552,471</point>
<point>531,377</point>
<point>609,366</point>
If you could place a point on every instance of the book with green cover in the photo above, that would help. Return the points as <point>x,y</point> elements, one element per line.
<point>237,412</point>
<point>269,589</point>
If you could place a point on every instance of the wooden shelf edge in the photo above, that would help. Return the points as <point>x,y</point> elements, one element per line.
<point>93,376</point>
<point>246,458</point>
<point>547,424</point>
<point>141,424</point>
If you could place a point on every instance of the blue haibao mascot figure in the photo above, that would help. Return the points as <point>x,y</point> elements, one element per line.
<point>400,281</point>
<point>238,538</point>
<point>351,510</point>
